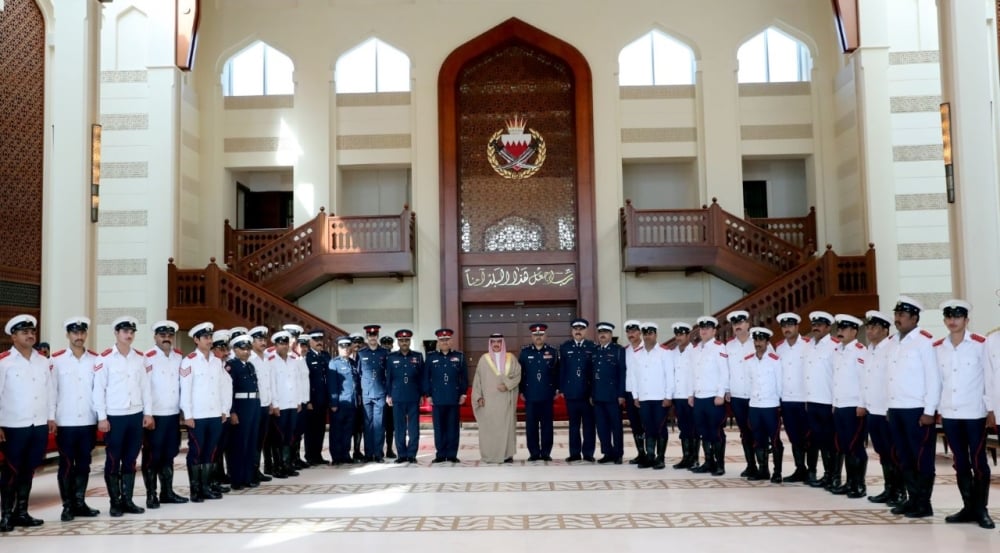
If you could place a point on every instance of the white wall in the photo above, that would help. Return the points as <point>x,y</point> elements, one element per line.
<point>786,185</point>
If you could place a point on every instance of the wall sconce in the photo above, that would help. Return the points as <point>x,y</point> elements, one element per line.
<point>949,174</point>
<point>95,172</point>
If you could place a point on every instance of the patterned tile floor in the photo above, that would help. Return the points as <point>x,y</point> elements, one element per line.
<point>525,506</point>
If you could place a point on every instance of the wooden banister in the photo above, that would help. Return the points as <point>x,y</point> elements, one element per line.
<point>239,243</point>
<point>800,231</point>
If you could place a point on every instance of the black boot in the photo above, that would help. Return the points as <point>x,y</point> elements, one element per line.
<point>799,458</point>
<point>277,465</point>
<point>128,486</point>
<point>6,508</point>
<point>912,495</point>
<point>266,452</point>
<point>981,496</point>
<point>720,458</point>
<point>887,477</point>
<point>750,472</point>
<point>685,455</point>
<point>149,480</point>
<point>194,477</point>
<point>21,516</point>
<point>761,472</point>
<point>66,495</point>
<point>389,453</point>
<point>922,507</point>
<point>778,458</point>
<point>706,467</point>
<point>640,445</point>
<point>80,507</point>
<point>167,494</point>
<point>859,489</point>
<point>812,455</point>
<point>836,468</point>
<point>207,491</point>
<point>287,461</point>
<point>661,452</point>
<point>114,485</point>
<point>217,478</point>
<point>968,507</point>
<point>899,496</point>
<point>838,486</point>
<point>823,481</point>
<point>695,447</point>
<point>297,462</point>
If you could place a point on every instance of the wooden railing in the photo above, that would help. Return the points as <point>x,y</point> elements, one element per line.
<point>212,294</point>
<point>710,226</point>
<point>329,234</point>
<point>240,243</point>
<point>800,231</point>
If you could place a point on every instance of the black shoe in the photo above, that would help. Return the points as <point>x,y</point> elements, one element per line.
<point>411,459</point>
<point>438,460</point>
<point>509,461</point>
<point>534,458</point>
<point>573,458</point>
<point>546,457</point>
<point>400,460</point>
<point>776,478</point>
<point>590,459</point>
<point>618,460</point>
<point>67,513</point>
<point>453,460</point>
<point>390,454</point>
<point>262,477</point>
<point>253,484</point>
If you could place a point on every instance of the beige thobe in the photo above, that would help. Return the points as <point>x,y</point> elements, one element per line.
<point>498,416</point>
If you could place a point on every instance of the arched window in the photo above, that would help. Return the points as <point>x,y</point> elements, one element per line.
<point>655,59</point>
<point>373,66</point>
<point>258,70</point>
<point>773,57</point>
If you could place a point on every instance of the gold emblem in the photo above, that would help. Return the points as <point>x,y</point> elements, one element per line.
<point>516,154</point>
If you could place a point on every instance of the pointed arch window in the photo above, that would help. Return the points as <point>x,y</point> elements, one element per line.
<point>373,66</point>
<point>773,57</point>
<point>258,70</point>
<point>655,59</point>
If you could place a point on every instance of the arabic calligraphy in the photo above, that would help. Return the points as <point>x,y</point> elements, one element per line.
<point>505,277</point>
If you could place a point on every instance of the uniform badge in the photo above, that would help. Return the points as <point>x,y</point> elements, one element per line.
<point>445,378</point>
<point>538,377</point>
<point>516,154</point>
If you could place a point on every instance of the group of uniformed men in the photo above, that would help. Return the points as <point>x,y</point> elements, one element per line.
<point>233,393</point>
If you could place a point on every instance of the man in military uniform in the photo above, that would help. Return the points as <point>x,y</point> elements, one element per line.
<point>258,334</point>
<point>764,373</point>
<point>372,362</point>
<point>818,374</point>
<point>849,420</point>
<point>27,417</point>
<point>575,373</point>
<point>914,395</point>
<point>877,326</point>
<point>162,442</point>
<point>683,359</point>
<point>357,342</point>
<point>218,478</point>
<point>652,384</point>
<point>539,380</point>
<point>124,403</point>
<point>318,362</point>
<point>608,394</point>
<point>244,415</point>
<point>446,382</point>
<point>711,383</point>
<point>343,386</point>
<point>388,418</point>
<point>791,352</point>
<point>76,422</point>
<point>404,385</point>
<point>288,388</point>
<point>634,336</point>
<point>738,348</point>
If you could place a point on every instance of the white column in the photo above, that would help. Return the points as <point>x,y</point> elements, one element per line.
<point>68,280</point>
<point>875,136</point>
<point>312,106</point>
<point>968,52</point>
<point>720,151</point>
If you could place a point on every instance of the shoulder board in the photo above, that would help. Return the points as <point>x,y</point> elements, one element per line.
<point>926,334</point>
<point>978,338</point>
<point>271,357</point>
<point>92,352</point>
<point>192,355</point>
<point>178,352</point>
<point>138,352</point>
<point>939,342</point>
<point>835,340</point>
<point>291,355</point>
<point>666,347</point>
<point>718,342</point>
<point>58,353</point>
<point>671,347</point>
<point>525,346</point>
<point>772,355</point>
<point>106,352</point>
<point>858,345</point>
<point>806,339</point>
<point>151,352</point>
<point>731,340</point>
<point>748,357</point>
<point>269,349</point>
<point>4,354</point>
<point>723,354</point>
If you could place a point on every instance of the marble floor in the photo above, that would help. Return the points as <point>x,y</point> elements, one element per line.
<point>525,506</point>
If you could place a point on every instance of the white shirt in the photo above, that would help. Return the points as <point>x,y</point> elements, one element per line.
<point>818,361</point>
<point>993,376</point>
<point>303,373</point>
<point>739,380</point>
<point>164,380</point>
<point>653,377</point>
<point>793,378</point>
<point>711,370</point>
<point>630,362</point>
<point>849,374</point>
<point>914,380</point>
<point>765,379</point>
<point>27,392</point>
<point>121,385</point>
<point>683,371</point>
<point>876,383</point>
<point>963,377</point>
<point>74,381</point>
<point>206,389</point>
<point>285,380</point>
<point>263,370</point>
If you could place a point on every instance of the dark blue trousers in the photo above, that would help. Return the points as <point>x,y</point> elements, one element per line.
<point>243,440</point>
<point>75,443</point>
<point>264,427</point>
<point>446,430</point>
<point>284,427</point>
<point>374,431</point>
<point>341,430</point>
<point>654,419</point>
<point>608,417</point>
<point>967,440</point>
<point>634,420</point>
<point>406,415</point>
<point>741,412</point>
<point>821,426</point>
<point>851,432</point>
<point>685,419</point>
<point>914,444</point>
<point>538,427</point>
<point>766,430</point>
<point>161,444</point>
<point>796,421</point>
<point>203,440</point>
<point>315,430</point>
<point>122,443</point>
<point>23,451</point>
<point>878,431</point>
<point>710,420</point>
<point>581,424</point>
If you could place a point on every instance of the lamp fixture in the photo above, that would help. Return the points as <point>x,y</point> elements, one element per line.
<point>95,172</point>
<point>946,150</point>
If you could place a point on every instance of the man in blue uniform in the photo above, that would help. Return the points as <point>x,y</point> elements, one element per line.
<point>575,357</point>
<point>371,361</point>
<point>446,382</point>
<point>358,342</point>
<point>244,415</point>
<point>405,385</point>
<point>608,394</point>
<point>318,362</point>
<point>343,386</point>
<point>388,421</point>
<point>539,380</point>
